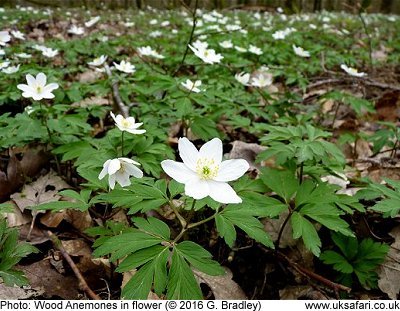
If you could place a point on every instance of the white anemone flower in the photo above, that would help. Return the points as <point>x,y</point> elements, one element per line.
<point>18,35</point>
<point>4,37</point>
<point>204,173</point>
<point>255,50</point>
<point>126,67</point>
<point>243,78</point>
<point>227,44</point>
<point>299,51</point>
<point>148,51</point>
<point>240,49</point>
<point>91,22</point>
<point>11,69</point>
<point>192,87</point>
<point>2,52</point>
<point>76,30</point>
<point>207,55</point>
<point>119,170</point>
<point>49,52</point>
<point>127,124</point>
<point>262,80</point>
<point>4,64</point>
<point>352,71</point>
<point>98,61</point>
<point>200,45</point>
<point>23,55</point>
<point>37,88</point>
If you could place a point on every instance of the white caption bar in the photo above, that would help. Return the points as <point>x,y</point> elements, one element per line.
<point>195,305</point>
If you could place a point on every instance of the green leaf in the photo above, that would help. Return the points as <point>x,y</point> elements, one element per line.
<point>283,183</point>
<point>225,230</point>
<point>306,230</point>
<point>199,258</point>
<point>153,226</point>
<point>182,284</point>
<point>338,261</point>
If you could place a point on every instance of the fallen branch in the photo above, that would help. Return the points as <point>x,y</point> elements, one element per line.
<point>85,287</point>
<point>307,273</point>
<point>123,109</point>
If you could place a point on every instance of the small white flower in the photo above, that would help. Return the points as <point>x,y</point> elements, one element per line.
<point>279,35</point>
<point>200,45</point>
<point>204,173</point>
<point>207,55</point>
<point>153,22</point>
<point>255,50</point>
<point>352,71</point>
<point>119,170</point>
<point>299,51</point>
<point>18,35</point>
<point>2,52</point>
<point>37,88</point>
<point>148,51</point>
<point>127,124</point>
<point>165,23</point>
<point>4,37</point>
<point>129,24</point>
<point>76,30</point>
<point>49,52</point>
<point>126,67</point>
<point>38,47</point>
<point>23,55</point>
<point>4,64</point>
<point>98,61</point>
<point>262,80</point>
<point>240,49</point>
<point>227,44</point>
<point>11,69</point>
<point>91,22</point>
<point>243,78</point>
<point>192,87</point>
<point>29,109</point>
<point>155,34</point>
<point>233,27</point>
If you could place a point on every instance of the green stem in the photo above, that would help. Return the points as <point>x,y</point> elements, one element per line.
<point>195,224</point>
<point>122,144</point>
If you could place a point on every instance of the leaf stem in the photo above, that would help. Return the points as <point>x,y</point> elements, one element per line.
<point>195,224</point>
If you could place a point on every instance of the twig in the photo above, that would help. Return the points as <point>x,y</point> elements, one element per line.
<point>194,22</point>
<point>116,95</point>
<point>85,287</point>
<point>305,272</point>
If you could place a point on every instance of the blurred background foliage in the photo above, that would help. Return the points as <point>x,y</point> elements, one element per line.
<point>290,6</point>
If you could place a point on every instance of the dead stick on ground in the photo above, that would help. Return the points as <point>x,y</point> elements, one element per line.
<point>85,287</point>
<point>335,286</point>
<point>116,95</point>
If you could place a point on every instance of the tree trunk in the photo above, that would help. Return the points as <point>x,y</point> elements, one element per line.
<point>386,6</point>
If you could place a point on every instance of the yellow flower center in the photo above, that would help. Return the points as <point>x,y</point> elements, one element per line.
<point>125,123</point>
<point>206,168</point>
<point>39,89</point>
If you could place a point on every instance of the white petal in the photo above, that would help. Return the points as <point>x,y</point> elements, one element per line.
<point>47,95</point>
<point>223,193</point>
<point>188,153</point>
<point>111,181</point>
<point>178,171</point>
<point>24,87</point>
<point>127,160</point>
<point>104,171</point>
<point>232,169</point>
<point>31,80</point>
<point>212,150</point>
<point>114,166</point>
<point>197,189</point>
<point>122,179</point>
<point>134,171</point>
<point>41,79</point>
<point>50,87</point>
<point>135,131</point>
<point>113,116</point>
